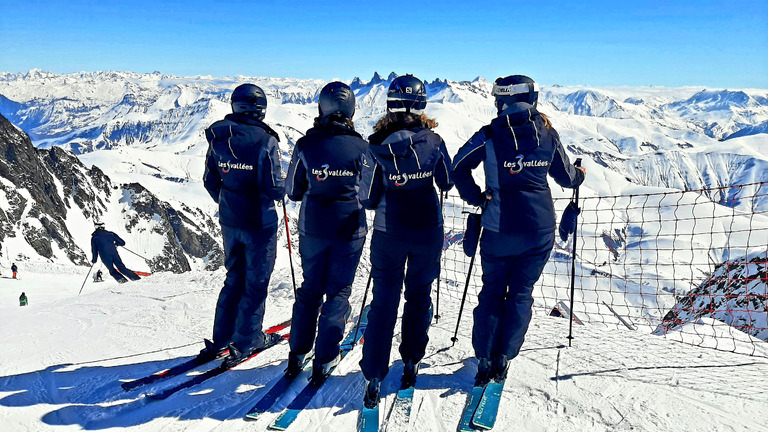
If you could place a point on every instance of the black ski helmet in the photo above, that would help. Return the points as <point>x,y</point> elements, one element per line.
<point>514,88</point>
<point>407,94</point>
<point>249,99</point>
<point>336,97</point>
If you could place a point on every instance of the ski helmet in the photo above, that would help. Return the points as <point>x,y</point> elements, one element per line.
<point>249,99</point>
<point>514,88</point>
<point>407,94</point>
<point>98,224</point>
<point>336,97</point>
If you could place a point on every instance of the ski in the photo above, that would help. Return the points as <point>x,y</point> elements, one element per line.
<point>400,414</point>
<point>303,399</point>
<point>469,409</point>
<point>369,419</point>
<point>187,365</point>
<point>210,373</point>
<point>485,414</point>
<point>274,393</point>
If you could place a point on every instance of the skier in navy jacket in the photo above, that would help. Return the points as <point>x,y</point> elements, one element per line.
<point>243,175</point>
<point>405,160</point>
<point>324,174</point>
<point>104,244</point>
<point>518,149</point>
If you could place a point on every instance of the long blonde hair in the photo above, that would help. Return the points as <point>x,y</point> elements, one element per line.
<point>390,118</point>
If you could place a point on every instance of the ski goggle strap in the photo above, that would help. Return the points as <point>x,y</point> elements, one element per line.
<point>514,89</point>
<point>402,102</point>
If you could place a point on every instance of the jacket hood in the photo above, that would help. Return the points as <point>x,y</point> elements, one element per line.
<point>402,142</point>
<point>330,126</point>
<point>521,129</point>
<point>250,121</point>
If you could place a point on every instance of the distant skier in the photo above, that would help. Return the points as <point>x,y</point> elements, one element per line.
<point>104,244</point>
<point>405,160</point>
<point>325,173</point>
<point>23,300</point>
<point>518,149</point>
<point>98,276</point>
<point>14,269</point>
<point>243,175</point>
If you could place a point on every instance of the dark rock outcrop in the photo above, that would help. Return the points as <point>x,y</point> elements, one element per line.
<point>736,293</point>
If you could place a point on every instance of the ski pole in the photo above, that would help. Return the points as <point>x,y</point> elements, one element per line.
<point>454,339</point>
<point>439,269</point>
<point>573,260</point>
<point>290,253</point>
<point>362,306</point>
<point>134,253</point>
<point>86,278</point>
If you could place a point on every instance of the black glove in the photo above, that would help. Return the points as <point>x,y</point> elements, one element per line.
<point>568,220</point>
<point>472,233</point>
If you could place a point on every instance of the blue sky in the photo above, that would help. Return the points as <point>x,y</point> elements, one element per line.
<point>712,43</point>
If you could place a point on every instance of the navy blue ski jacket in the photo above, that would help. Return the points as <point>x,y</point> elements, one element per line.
<point>404,162</point>
<point>518,150</point>
<point>242,171</point>
<point>324,174</point>
<point>105,243</point>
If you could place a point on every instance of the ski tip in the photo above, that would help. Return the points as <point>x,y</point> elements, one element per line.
<point>156,396</point>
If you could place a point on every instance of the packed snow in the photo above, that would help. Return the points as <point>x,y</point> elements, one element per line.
<point>64,357</point>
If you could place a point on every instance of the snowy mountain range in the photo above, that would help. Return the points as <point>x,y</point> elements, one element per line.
<point>128,149</point>
<point>144,134</point>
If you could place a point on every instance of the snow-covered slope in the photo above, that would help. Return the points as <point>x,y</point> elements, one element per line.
<point>63,357</point>
<point>49,201</point>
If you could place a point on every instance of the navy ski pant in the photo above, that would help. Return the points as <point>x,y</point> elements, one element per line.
<point>389,254</point>
<point>249,259</point>
<point>329,268</point>
<point>116,268</point>
<point>511,266</point>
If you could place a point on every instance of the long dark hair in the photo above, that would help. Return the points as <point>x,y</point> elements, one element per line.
<point>399,117</point>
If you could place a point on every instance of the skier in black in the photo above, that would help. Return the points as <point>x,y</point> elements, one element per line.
<point>243,175</point>
<point>98,276</point>
<point>324,173</point>
<point>518,149</point>
<point>405,161</point>
<point>23,300</point>
<point>14,269</point>
<point>104,244</point>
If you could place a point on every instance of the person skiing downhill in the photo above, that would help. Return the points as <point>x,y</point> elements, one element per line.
<point>23,300</point>
<point>518,149</point>
<point>324,174</point>
<point>104,244</point>
<point>98,276</point>
<point>14,269</point>
<point>243,175</point>
<point>405,160</point>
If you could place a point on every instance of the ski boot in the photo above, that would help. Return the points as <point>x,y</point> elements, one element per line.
<point>295,361</point>
<point>372,394</point>
<point>483,372</point>
<point>321,371</point>
<point>210,352</point>
<point>410,372</point>
<point>237,356</point>
<point>499,368</point>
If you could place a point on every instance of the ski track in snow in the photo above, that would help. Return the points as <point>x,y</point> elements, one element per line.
<point>75,351</point>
